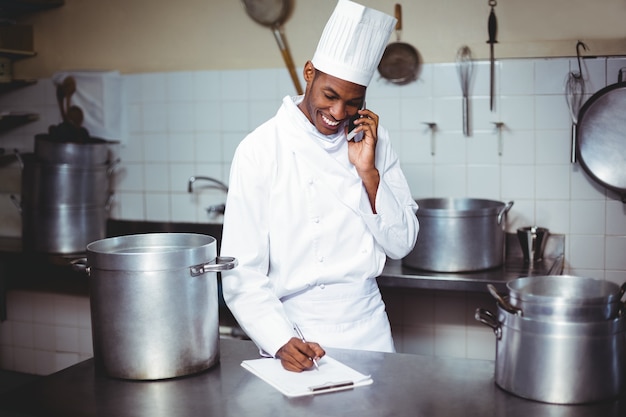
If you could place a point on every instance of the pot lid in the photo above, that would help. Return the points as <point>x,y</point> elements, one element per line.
<point>601,137</point>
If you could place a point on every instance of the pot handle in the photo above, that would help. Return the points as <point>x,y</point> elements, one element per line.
<point>221,263</point>
<point>16,202</point>
<point>622,290</point>
<point>504,211</point>
<point>502,301</point>
<point>19,158</point>
<point>111,167</point>
<point>486,317</point>
<point>80,265</point>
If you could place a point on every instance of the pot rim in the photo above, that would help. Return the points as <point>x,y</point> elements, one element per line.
<point>458,207</point>
<point>151,251</point>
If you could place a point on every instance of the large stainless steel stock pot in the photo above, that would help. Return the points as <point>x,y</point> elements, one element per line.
<point>459,234</point>
<point>154,304</point>
<point>557,361</point>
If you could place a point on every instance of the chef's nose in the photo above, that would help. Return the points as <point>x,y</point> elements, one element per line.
<point>338,111</point>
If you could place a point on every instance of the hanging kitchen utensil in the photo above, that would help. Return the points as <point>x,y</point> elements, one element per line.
<point>465,68</point>
<point>64,93</point>
<point>601,137</point>
<point>400,62</point>
<point>492,29</point>
<point>273,14</point>
<point>574,94</point>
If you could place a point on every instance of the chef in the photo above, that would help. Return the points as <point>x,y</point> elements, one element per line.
<point>312,215</point>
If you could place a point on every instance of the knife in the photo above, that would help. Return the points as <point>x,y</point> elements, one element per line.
<point>492,28</point>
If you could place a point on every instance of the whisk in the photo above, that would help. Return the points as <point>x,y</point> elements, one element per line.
<point>575,94</point>
<point>465,68</point>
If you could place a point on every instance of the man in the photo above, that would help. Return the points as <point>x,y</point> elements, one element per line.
<point>310,215</point>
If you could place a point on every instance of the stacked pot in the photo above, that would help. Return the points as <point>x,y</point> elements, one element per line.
<point>559,339</point>
<point>66,191</point>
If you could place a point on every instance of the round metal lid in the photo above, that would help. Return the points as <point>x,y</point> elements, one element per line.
<point>601,137</point>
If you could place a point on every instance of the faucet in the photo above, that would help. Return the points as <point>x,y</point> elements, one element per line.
<point>217,209</point>
<point>217,184</point>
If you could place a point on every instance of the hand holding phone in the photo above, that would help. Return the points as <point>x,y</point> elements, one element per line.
<point>357,136</point>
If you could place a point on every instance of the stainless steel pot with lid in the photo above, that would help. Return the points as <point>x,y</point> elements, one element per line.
<point>565,298</point>
<point>154,304</point>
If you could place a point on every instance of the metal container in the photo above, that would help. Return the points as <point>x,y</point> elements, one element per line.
<point>95,151</point>
<point>459,234</point>
<point>64,229</point>
<point>64,206</point>
<point>154,304</point>
<point>566,298</point>
<point>54,185</point>
<point>558,362</point>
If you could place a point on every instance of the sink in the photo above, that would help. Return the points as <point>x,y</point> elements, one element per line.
<point>117,227</point>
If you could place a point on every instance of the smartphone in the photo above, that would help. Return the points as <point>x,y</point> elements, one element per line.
<point>357,136</point>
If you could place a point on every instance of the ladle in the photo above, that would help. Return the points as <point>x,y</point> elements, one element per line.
<point>272,14</point>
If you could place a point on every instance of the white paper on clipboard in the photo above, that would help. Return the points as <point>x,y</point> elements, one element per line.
<point>332,376</point>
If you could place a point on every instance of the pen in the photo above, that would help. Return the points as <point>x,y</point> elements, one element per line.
<point>301,336</point>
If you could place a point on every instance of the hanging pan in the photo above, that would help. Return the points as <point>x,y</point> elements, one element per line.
<point>273,13</point>
<point>601,137</point>
<point>400,63</point>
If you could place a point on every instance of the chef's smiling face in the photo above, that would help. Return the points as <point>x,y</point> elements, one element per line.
<point>329,101</point>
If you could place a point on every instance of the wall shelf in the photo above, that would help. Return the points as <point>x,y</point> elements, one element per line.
<point>13,54</point>
<point>12,120</point>
<point>15,84</point>
<point>15,8</point>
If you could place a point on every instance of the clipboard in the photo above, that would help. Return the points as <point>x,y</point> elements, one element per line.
<point>332,376</point>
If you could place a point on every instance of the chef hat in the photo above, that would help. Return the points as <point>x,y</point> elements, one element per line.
<point>353,42</point>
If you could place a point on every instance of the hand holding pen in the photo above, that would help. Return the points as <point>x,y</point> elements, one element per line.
<point>298,354</point>
<point>301,336</point>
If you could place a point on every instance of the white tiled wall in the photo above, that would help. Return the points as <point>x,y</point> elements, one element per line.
<point>189,123</point>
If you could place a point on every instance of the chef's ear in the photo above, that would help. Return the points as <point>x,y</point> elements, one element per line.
<point>308,72</point>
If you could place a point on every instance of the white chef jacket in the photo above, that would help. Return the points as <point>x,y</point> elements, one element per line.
<point>308,244</point>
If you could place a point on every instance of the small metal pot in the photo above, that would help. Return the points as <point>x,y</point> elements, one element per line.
<point>558,362</point>
<point>566,297</point>
<point>154,304</point>
<point>459,234</point>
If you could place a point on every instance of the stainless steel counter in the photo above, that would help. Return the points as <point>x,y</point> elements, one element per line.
<point>404,385</point>
<point>395,274</point>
